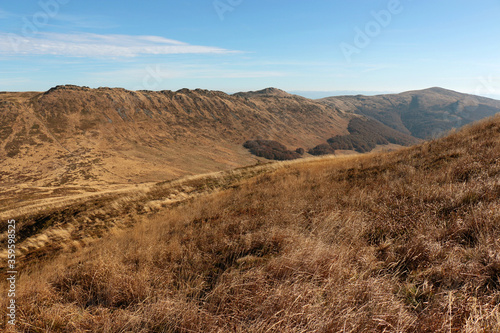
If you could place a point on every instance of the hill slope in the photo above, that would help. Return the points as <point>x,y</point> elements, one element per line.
<point>423,114</point>
<point>398,242</point>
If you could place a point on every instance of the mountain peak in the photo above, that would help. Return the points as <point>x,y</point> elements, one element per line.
<point>440,90</point>
<point>66,87</point>
<point>437,90</point>
<point>272,91</point>
<point>267,92</point>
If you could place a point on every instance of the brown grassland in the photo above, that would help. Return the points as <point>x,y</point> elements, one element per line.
<point>407,241</point>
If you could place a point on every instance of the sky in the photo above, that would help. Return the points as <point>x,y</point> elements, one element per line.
<point>313,47</point>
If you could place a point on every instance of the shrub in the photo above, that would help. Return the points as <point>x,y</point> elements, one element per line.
<point>272,150</point>
<point>300,151</point>
<point>322,149</point>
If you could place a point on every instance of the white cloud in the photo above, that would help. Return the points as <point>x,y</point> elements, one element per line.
<point>98,46</point>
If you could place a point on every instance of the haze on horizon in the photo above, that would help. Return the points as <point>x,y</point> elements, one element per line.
<point>309,47</point>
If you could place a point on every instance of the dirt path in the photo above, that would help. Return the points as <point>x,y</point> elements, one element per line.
<point>32,206</point>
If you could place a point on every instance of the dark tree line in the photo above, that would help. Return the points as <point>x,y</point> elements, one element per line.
<point>364,135</point>
<point>272,150</point>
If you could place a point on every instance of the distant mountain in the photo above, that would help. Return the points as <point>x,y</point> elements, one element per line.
<point>77,135</point>
<point>422,113</point>
<point>268,92</point>
<point>324,94</point>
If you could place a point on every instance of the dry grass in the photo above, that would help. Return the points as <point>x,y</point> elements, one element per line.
<point>65,220</point>
<point>400,242</point>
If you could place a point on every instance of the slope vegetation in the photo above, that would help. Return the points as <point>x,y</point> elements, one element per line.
<point>399,242</point>
<point>364,135</point>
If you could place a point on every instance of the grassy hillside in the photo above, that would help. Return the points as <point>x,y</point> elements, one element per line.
<point>399,242</point>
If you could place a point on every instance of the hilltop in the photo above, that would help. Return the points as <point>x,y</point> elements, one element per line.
<point>267,92</point>
<point>405,241</point>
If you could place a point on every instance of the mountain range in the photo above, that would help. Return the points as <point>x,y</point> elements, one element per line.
<point>71,135</point>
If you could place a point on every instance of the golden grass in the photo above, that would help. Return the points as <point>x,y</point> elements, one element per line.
<point>401,242</point>
<point>64,220</point>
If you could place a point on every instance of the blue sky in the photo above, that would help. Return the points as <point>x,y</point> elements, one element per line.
<point>240,45</point>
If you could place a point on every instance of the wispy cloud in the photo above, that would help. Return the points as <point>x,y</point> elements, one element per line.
<point>98,46</point>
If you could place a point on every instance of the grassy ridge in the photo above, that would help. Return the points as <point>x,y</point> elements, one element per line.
<point>398,242</point>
